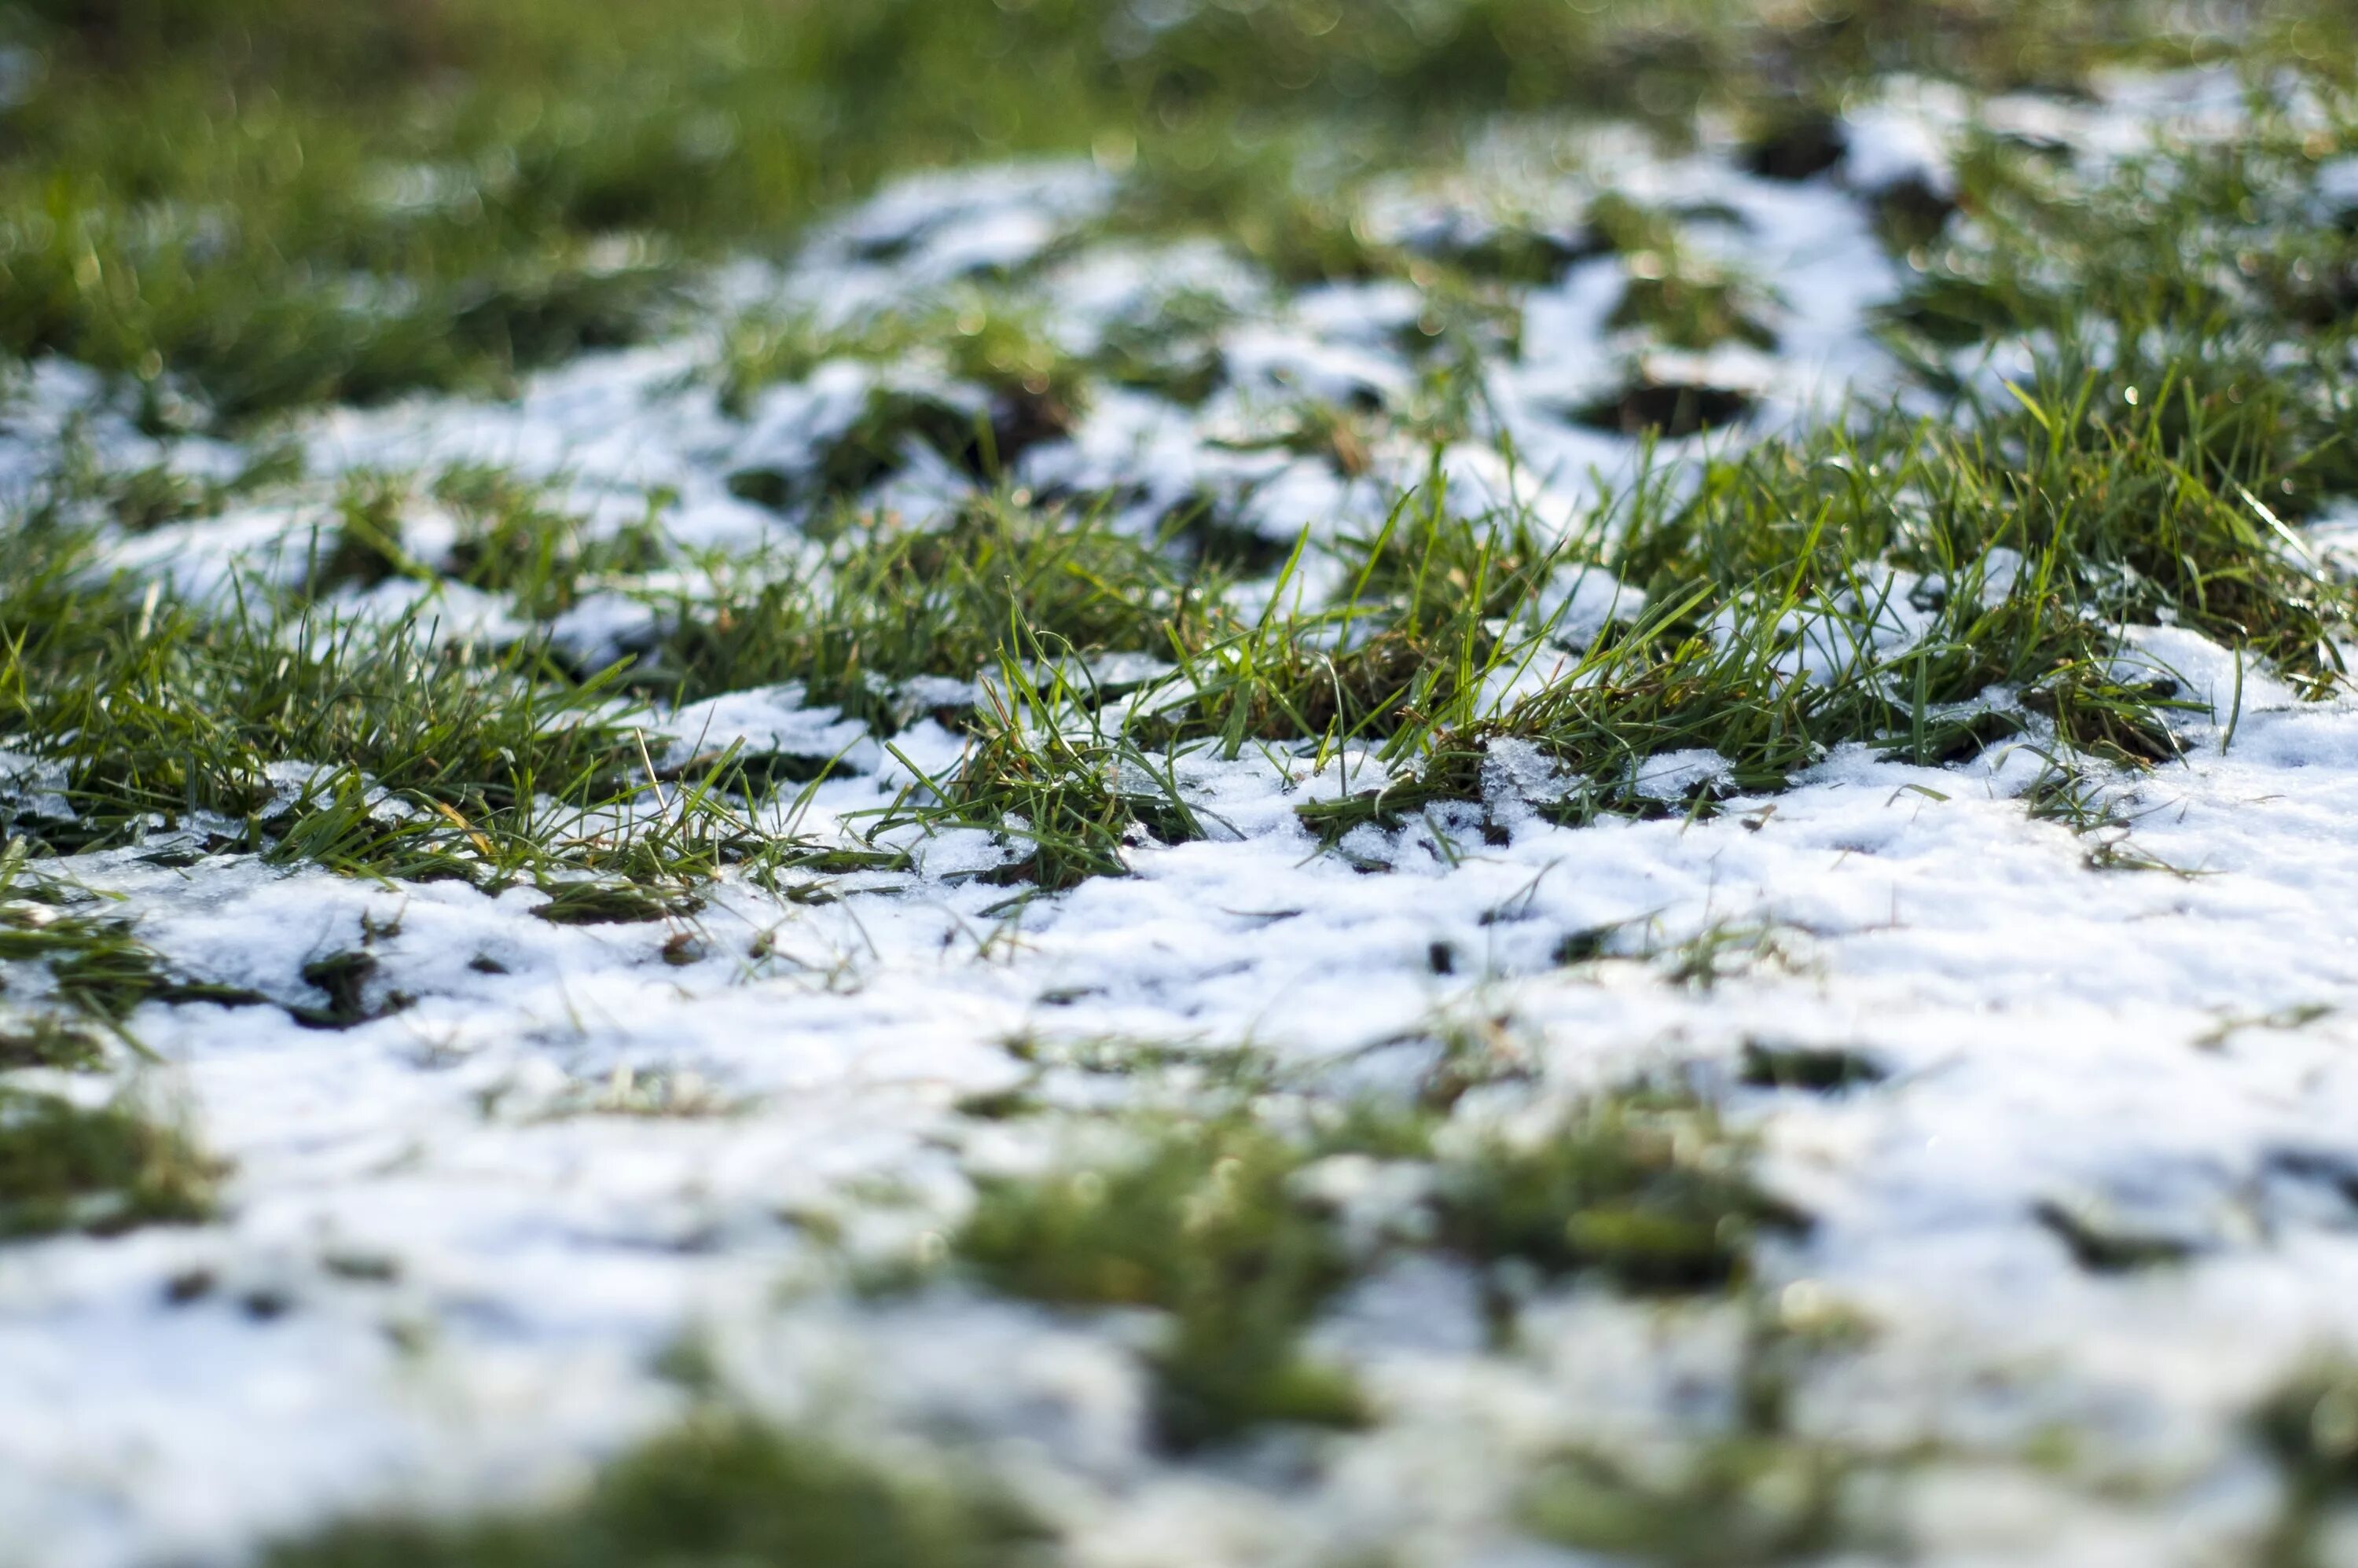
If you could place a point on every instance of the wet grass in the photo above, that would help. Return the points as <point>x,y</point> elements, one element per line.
<point>723,1490</point>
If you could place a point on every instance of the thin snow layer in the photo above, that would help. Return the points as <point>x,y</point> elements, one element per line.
<point>458,1238</point>
<point>449,1255</point>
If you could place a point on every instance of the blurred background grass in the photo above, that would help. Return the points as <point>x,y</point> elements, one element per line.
<point>269,203</point>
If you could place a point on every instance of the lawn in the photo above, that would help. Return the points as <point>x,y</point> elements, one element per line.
<point>1177,782</point>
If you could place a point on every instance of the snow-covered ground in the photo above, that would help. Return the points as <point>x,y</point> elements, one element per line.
<point>455,1245</point>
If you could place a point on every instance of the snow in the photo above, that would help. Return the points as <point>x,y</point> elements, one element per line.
<point>447,1265</point>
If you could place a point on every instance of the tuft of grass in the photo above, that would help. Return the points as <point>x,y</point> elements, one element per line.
<point>611,904</point>
<point>1878,584</point>
<point>2309,1429</point>
<point>1200,1224</point>
<point>515,540</point>
<point>1643,1189</point>
<point>1747,1492</point>
<point>1740,1502</point>
<point>102,1172</point>
<point>1034,390</point>
<point>1813,1070</point>
<point>165,717</point>
<point>1678,297</point>
<point>1206,1220</point>
<point>1078,799</point>
<point>43,1040</point>
<point>721,1490</point>
<point>892,603</point>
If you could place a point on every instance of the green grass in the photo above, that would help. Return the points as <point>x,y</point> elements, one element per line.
<point>43,1040</point>
<point>165,716</point>
<point>1737,1503</point>
<point>1207,1218</point>
<point>723,1490</point>
<point>191,190</point>
<point>103,1171</point>
<point>2309,1429</point>
<point>97,966</point>
<point>515,539</point>
<point>892,603</point>
<point>1199,1224</point>
<point>1642,1189</point>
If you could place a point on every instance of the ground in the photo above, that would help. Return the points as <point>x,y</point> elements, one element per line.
<point>1132,784</point>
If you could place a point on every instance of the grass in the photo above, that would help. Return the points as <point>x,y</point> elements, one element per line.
<point>1641,1189</point>
<point>2150,469</point>
<point>103,1170</point>
<point>168,717</point>
<point>890,602</point>
<point>1200,1225</point>
<point>43,1040</point>
<point>242,210</point>
<point>96,965</point>
<point>1210,1219</point>
<point>193,191</point>
<point>2309,1429</point>
<point>515,539</point>
<point>722,1490</point>
<point>1741,1502</point>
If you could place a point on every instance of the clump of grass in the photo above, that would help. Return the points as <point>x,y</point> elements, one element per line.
<point>43,1040</point>
<point>1682,299</point>
<point>1770,633</point>
<point>421,765</point>
<point>1200,1224</point>
<point>723,1490</point>
<point>1412,632</point>
<point>1747,1491</point>
<point>2203,286</point>
<point>1643,1189</point>
<point>1740,1502</point>
<point>1034,391</point>
<point>892,603</point>
<point>1171,349</point>
<point>2310,1428</point>
<point>514,539</point>
<point>1075,797</point>
<point>611,904</point>
<point>103,1171</point>
<point>1208,1220</point>
<point>138,501</point>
